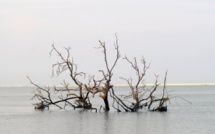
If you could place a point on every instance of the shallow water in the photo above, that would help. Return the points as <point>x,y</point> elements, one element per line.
<point>17,116</point>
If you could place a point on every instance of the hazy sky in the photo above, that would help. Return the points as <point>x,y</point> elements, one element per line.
<point>174,35</point>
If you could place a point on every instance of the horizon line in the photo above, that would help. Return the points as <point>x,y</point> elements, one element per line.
<point>125,85</point>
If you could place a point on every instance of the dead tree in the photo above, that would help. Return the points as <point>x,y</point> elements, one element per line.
<point>140,96</point>
<point>104,85</point>
<point>79,94</point>
<point>68,64</point>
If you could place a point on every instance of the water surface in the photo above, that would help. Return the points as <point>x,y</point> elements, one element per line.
<point>17,116</point>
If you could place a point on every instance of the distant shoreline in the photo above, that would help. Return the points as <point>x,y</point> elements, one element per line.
<point>174,84</point>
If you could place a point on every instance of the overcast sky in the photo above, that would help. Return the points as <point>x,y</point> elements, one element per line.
<point>174,35</point>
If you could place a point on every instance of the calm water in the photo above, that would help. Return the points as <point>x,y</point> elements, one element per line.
<point>17,116</point>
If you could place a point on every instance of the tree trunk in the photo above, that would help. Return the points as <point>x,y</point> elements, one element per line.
<point>107,108</point>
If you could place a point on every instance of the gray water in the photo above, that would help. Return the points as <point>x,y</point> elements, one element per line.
<point>17,116</point>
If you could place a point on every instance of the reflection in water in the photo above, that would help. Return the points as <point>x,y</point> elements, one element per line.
<point>107,123</point>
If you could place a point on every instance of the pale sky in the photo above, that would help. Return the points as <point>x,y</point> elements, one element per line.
<point>174,35</point>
